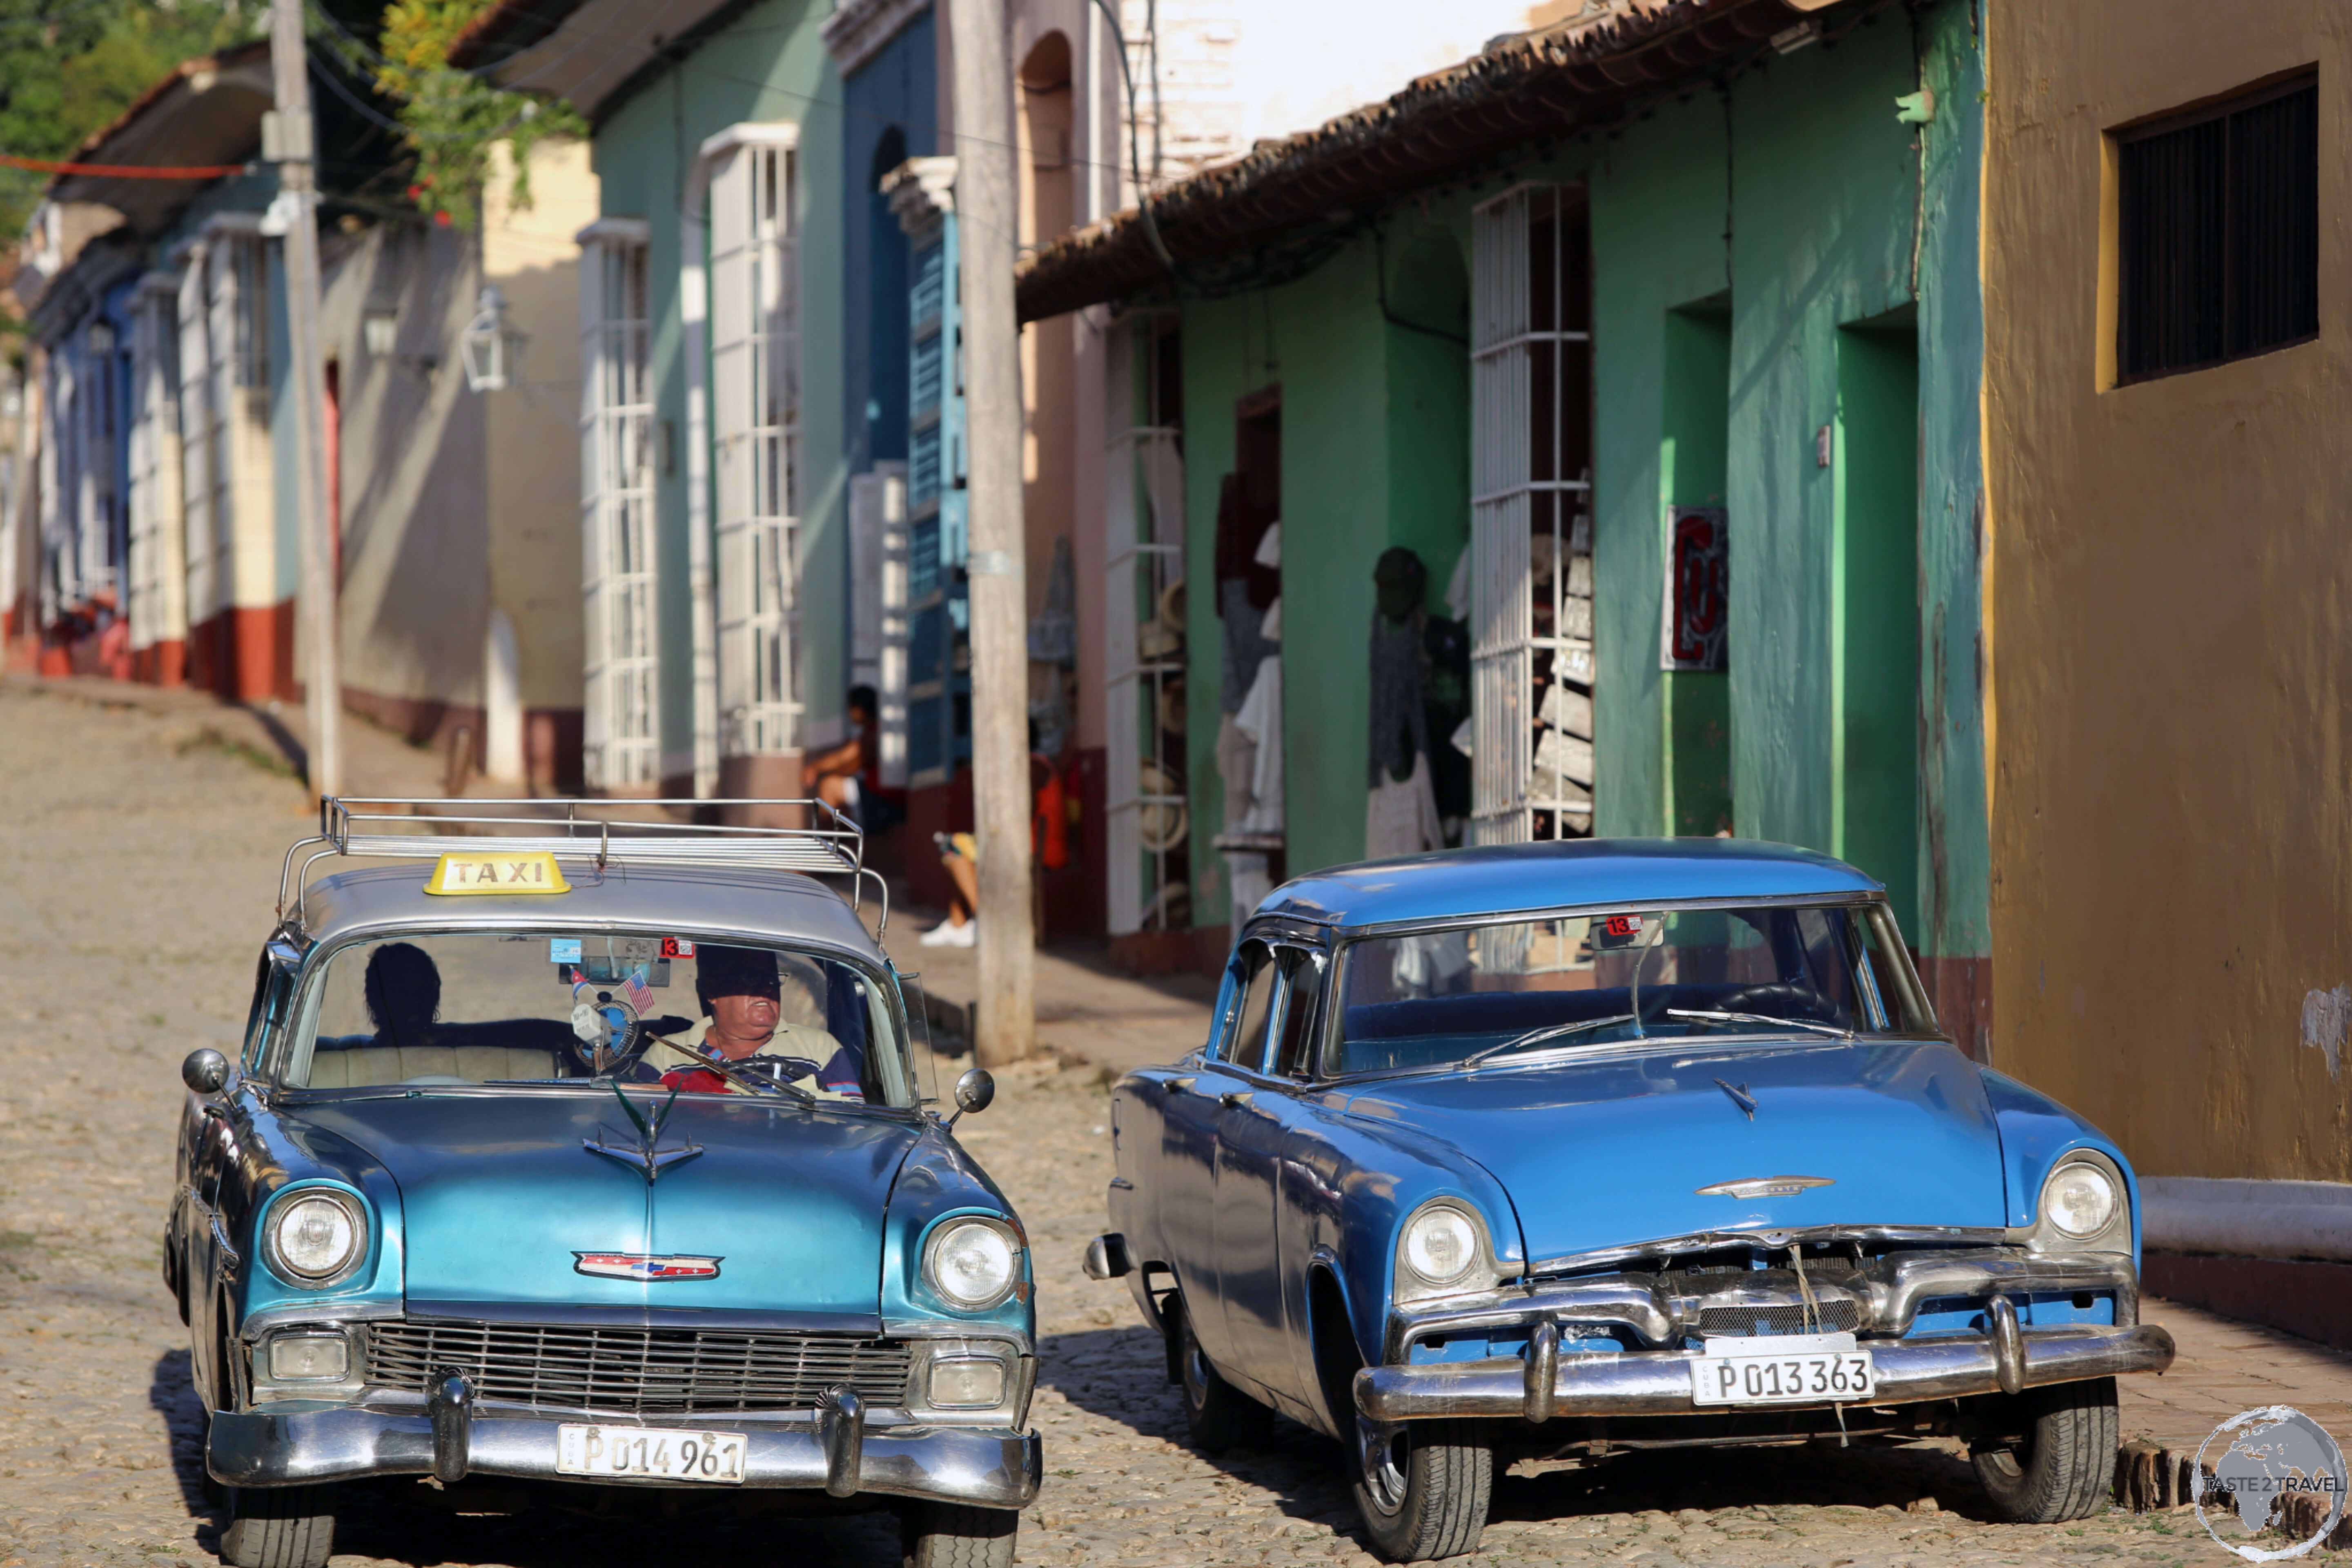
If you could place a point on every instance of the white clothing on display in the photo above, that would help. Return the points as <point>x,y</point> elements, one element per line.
<point>1402,818</point>
<point>1261,719</point>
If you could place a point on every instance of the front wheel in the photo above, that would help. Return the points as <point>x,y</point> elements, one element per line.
<point>1218,1415</point>
<point>2064,1465</point>
<point>1423,1487</point>
<point>956,1536</point>
<point>279,1527</point>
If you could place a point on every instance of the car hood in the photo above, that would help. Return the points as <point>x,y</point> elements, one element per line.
<point>1611,1152</point>
<point>498,1198</point>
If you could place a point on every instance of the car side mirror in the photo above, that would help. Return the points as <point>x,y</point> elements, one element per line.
<point>975,1090</point>
<point>207,1070</point>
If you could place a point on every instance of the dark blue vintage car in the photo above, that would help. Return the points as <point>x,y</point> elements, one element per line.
<point>598,1157</point>
<point>1562,1150</point>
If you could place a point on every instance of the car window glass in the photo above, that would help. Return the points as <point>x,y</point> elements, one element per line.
<point>1893,977</point>
<point>1295,1059</point>
<point>1244,1045</point>
<point>1568,982</point>
<point>270,988</point>
<point>537,1008</point>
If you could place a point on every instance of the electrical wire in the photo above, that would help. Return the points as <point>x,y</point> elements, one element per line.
<point>123,171</point>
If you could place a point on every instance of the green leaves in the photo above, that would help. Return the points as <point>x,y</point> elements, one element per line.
<point>454,117</point>
<point>68,67</point>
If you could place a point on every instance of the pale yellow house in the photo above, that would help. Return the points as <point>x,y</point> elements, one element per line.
<point>459,503</point>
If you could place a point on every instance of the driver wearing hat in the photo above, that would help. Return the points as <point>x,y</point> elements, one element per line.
<point>743,994</point>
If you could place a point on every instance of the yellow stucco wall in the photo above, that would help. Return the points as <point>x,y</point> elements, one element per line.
<point>2169,600</point>
<point>534,430</point>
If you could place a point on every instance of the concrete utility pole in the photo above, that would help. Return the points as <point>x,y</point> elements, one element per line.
<point>988,230</point>
<point>286,140</point>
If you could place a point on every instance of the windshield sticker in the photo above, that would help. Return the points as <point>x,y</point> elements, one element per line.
<point>1621,926</point>
<point>563,950</point>
<point>677,947</point>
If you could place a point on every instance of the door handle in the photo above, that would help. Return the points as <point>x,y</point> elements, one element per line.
<point>1236,1100</point>
<point>1181,1085</point>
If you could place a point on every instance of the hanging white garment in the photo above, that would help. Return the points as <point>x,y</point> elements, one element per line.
<point>1237,770</point>
<point>1261,719</point>
<point>1246,877</point>
<point>1402,818</point>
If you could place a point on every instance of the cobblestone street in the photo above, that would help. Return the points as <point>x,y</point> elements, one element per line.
<point>139,870</point>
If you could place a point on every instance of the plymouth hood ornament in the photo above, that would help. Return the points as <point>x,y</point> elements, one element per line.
<point>648,1155</point>
<point>1765,1186</point>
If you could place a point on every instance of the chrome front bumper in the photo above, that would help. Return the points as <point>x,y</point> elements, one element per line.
<point>1658,1382</point>
<point>990,1467</point>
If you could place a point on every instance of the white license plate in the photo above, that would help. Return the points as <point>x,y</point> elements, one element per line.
<point>649,1453</point>
<point>1807,1377</point>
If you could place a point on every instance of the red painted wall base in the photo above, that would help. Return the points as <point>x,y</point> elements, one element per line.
<point>2310,1298</point>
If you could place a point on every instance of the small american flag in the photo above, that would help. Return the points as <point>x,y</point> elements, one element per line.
<point>640,995</point>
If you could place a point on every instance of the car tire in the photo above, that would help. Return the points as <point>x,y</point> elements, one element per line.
<point>956,1536</point>
<point>2064,1468</point>
<point>1218,1415</point>
<point>279,1527</point>
<point>1421,1487</point>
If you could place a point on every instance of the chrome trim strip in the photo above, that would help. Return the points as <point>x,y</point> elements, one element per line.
<point>1887,1296</point>
<point>1543,1375</point>
<point>1659,1383</point>
<point>1703,1240</point>
<point>841,1427</point>
<point>227,1260</point>
<point>991,1468</point>
<point>2008,1346</point>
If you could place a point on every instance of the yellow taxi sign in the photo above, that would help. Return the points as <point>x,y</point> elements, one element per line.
<point>475,871</point>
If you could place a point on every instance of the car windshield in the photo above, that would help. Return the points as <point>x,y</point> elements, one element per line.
<point>1490,993</point>
<point>540,1008</point>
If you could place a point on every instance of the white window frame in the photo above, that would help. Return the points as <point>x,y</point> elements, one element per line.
<point>202,530</point>
<point>755,436</point>
<point>1508,791</point>
<point>621,723</point>
<point>1143,553</point>
<point>158,605</point>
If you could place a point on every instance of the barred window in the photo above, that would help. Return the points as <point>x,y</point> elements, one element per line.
<point>2219,232</point>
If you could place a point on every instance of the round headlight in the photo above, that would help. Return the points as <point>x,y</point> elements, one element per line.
<point>1441,1245</point>
<point>314,1239</point>
<point>972,1263</point>
<point>2080,1200</point>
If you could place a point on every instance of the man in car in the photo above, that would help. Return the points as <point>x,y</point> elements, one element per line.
<point>743,994</point>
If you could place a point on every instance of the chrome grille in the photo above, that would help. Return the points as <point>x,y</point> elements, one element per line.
<point>642,1371</point>
<point>1836,1316</point>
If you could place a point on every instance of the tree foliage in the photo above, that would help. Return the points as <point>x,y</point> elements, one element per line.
<point>453,117</point>
<point>68,67</point>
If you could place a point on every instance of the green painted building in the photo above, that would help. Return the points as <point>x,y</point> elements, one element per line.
<point>713,448</point>
<point>1669,316</point>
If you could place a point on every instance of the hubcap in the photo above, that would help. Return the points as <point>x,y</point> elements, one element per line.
<point>1381,1454</point>
<point>1196,1371</point>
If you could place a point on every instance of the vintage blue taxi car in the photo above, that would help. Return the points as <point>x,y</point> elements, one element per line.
<point>596,1159</point>
<point>1562,1150</point>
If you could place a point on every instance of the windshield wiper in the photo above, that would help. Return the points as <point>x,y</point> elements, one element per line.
<point>1551,1032</point>
<point>1716,1015</point>
<point>743,1077</point>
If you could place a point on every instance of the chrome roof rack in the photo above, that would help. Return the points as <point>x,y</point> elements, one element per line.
<point>601,832</point>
